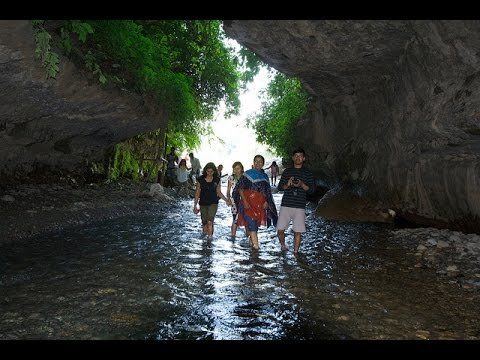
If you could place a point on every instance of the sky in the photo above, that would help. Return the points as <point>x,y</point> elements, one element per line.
<point>233,140</point>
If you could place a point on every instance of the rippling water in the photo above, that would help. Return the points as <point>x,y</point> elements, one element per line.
<point>155,278</point>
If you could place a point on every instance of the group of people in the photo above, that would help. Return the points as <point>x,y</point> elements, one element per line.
<point>181,174</point>
<point>250,196</point>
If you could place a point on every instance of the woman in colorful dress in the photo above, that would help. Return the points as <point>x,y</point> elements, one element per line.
<point>254,201</point>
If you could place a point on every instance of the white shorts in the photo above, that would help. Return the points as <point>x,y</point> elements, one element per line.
<point>288,214</point>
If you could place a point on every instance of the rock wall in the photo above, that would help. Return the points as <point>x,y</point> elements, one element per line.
<point>396,108</point>
<point>58,123</point>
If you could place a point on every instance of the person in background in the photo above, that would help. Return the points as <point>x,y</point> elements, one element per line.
<point>182,176</point>
<point>172,161</point>
<point>207,194</point>
<point>237,172</point>
<point>274,170</point>
<point>296,182</point>
<point>220,169</point>
<point>254,201</point>
<point>196,167</point>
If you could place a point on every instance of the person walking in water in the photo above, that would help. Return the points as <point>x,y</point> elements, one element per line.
<point>296,182</point>
<point>207,194</point>
<point>274,170</point>
<point>254,201</point>
<point>237,172</point>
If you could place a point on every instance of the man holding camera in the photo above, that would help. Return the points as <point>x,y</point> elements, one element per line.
<point>296,182</point>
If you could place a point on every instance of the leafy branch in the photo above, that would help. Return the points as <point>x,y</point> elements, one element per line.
<point>50,59</point>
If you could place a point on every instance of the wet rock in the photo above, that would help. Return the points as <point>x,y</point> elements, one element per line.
<point>452,270</point>
<point>432,242</point>
<point>343,318</point>
<point>7,198</point>
<point>421,248</point>
<point>442,244</point>
<point>422,334</point>
<point>80,204</point>
<point>455,238</point>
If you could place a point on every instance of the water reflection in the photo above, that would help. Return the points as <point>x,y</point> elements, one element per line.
<point>155,278</point>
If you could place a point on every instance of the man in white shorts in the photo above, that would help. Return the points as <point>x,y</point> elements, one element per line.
<point>296,182</point>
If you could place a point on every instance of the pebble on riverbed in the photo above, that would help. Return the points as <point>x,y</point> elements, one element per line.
<point>451,253</point>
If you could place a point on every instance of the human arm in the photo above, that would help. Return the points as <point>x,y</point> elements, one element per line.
<point>244,199</point>
<point>229,187</point>
<point>197,198</point>
<point>308,183</point>
<point>285,181</point>
<point>220,194</point>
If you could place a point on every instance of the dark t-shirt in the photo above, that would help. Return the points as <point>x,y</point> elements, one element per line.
<point>296,197</point>
<point>208,193</point>
<point>171,159</point>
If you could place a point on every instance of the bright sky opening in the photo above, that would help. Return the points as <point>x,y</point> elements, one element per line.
<point>233,140</point>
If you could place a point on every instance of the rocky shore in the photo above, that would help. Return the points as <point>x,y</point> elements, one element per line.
<point>28,210</point>
<point>452,254</point>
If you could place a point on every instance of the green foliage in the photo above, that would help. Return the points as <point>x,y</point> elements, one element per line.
<point>125,163</point>
<point>82,29</point>
<point>285,104</point>
<point>94,67</point>
<point>184,64</point>
<point>50,59</point>
<point>251,64</point>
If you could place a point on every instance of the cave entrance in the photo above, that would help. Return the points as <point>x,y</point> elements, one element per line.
<point>232,139</point>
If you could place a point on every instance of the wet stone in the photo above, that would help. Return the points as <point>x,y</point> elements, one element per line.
<point>442,244</point>
<point>455,238</point>
<point>432,242</point>
<point>421,247</point>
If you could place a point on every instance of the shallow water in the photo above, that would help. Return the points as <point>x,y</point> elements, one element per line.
<point>155,278</point>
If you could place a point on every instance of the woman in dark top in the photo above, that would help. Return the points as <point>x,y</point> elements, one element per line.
<point>207,194</point>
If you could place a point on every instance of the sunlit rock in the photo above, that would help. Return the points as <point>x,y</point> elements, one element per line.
<point>395,108</point>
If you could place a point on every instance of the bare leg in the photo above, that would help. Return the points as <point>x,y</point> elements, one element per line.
<point>281,237</point>
<point>234,230</point>
<point>298,238</point>
<point>210,228</point>
<point>254,239</point>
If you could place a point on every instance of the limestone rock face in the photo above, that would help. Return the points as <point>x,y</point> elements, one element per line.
<point>58,123</point>
<point>395,111</point>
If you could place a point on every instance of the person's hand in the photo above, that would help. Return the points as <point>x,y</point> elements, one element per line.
<point>290,181</point>
<point>300,183</point>
<point>265,205</point>
<point>195,210</point>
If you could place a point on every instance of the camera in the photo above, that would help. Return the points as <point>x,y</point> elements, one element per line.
<point>295,181</point>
